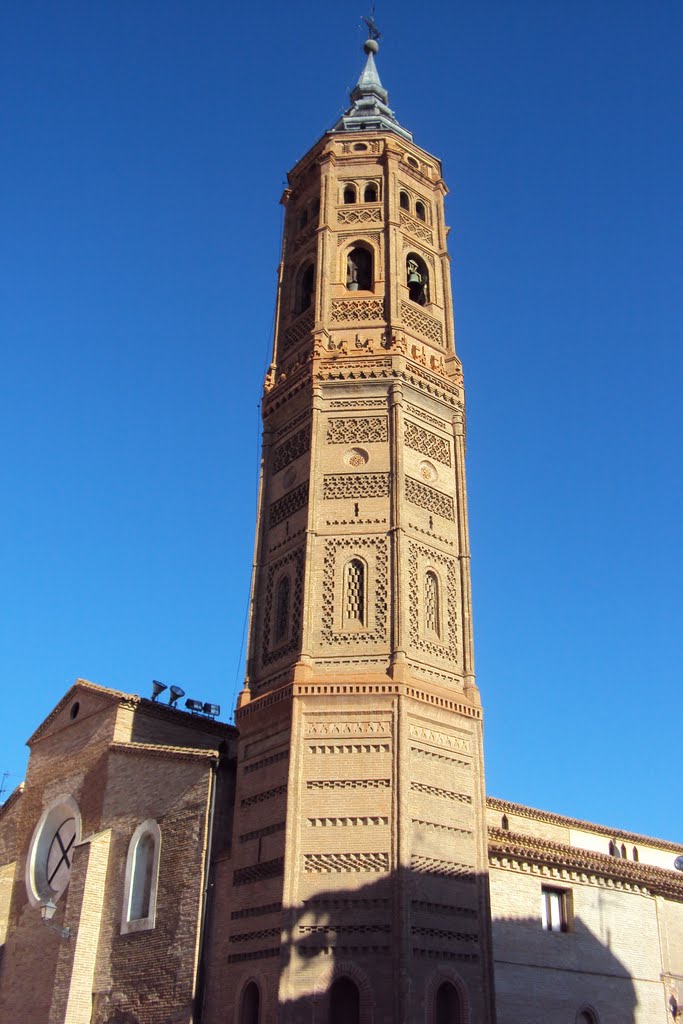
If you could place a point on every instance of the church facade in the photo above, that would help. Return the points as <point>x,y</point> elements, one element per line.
<point>333,857</point>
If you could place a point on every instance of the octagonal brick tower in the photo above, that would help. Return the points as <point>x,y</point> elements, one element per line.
<point>359,847</point>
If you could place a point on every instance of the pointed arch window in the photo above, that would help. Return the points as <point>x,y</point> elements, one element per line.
<point>431,603</point>
<point>305,284</point>
<point>448,1006</point>
<point>282,610</point>
<point>370,195</point>
<point>344,1002</point>
<point>417,279</point>
<point>250,1004</point>
<point>354,593</point>
<point>359,270</point>
<point>349,195</point>
<point>142,873</point>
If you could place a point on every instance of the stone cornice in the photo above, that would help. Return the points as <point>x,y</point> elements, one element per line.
<point>506,807</point>
<point>542,856</point>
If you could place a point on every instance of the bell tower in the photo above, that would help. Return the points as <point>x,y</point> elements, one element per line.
<point>358,874</point>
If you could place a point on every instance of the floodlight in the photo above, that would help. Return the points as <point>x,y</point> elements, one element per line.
<point>212,709</point>
<point>157,688</point>
<point>176,693</point>
<point>194,705</point>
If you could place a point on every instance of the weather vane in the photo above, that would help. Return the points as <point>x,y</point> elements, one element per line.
<point>373,31</point>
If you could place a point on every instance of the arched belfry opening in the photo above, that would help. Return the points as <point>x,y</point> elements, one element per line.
<point>305,285</point>
<point>417,279</point>
<point>250,1005</point>
<point>448,1007</point>
<point>359,270</point>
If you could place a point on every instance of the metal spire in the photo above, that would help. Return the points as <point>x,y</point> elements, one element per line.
<point>369,110</point>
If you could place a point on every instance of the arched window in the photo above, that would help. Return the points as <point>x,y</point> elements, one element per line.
<point>504,823</point>
<point>344,1002</point>
<point>447,1006</point>
<point>586,1017</point>
<point>303,219</point>
<point>614,849</point>
<point>304,288</point>
<point>359,270</point>
<point>417,279</point>
<point>142,872</point>
<point>250,1004</point>
<point>354,597</point>
<point>370,194</point>
<point>282,610</point>
<point>420,211</point>
<point>404,200</point>
<point>635,853</point>
<point>623,851</point>
<point>349,194</point>
<point>432,612</point>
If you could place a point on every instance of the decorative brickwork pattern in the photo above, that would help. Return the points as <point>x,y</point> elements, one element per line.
<point>346,862</point>
<point>292,635</point>
<point>424,441</point>
<point>288,504</point>
<point>355,485</point>
<point>431,602</point>
<point>441,933</point>
<point>416,229</point>
<point>441,739</point>
<point>267,908</point>
<point>376,594</point>
<point>431,755</point>
<point>260,833</point>
<point>441,868</point>
<point>445,954</point>
<point>266,762</point>
<point>354,593</point>
<point>267,794</point>
<point>416,320</point>
<point>428,640</point>
<point>428,497</point>
<point>357,403</point>
<point>291,449</point>
<point>263,933</point>
<point>299,329</point>
<point>349,784</point>
<point>444,909</point>
<point>444,794</point>
<point>436,826</point>
<point>345,728</point>
<point>366,215</point>
<point>259,872</point>
<point>346,311</point>
<point>352,748</point>
<point>354,431</point>
<point>427,417</point>
<point>345,822</point>
<point>257,954</point>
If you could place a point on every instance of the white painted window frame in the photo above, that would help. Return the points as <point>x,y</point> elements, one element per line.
<point>143,924</point>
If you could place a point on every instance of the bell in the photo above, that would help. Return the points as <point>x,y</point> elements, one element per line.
<point>414,277</point>
<point>352,286</point>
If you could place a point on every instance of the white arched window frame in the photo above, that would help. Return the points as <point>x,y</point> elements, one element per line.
<point>142,876</point>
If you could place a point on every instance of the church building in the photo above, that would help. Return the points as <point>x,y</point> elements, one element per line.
<point>333,857</point>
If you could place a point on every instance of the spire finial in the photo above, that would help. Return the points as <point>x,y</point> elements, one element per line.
<point>371,45</point>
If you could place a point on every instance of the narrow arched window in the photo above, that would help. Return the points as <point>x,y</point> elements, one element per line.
<point>303,219</point>
<point>359,270</point>
<point>282,610</point>
<point>142,872</point>
<point>344,1002</point>
<point>354,597</point>
<point>349,194</point>
<point>404,200</point>
<point>304,288</point>
<point>250,1004</point>
<point>432,611</point>
<point>635,853</point>
<point>504,823</point>
<point>614,849</point>
<point>623,851</point>
<point>420,211</point>
<point>448,1008</point>
<point>370,194</point>
<point>417,279</point>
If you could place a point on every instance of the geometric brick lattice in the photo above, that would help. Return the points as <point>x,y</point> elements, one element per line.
<point>292,448</point>
<point>427,497</point>
<point>355,485</point>
<point>425,441</point>
<point>288,504</point>
<point>333,862</point>
<point>351,431</point>
<point>288,640</point>
<point>438,635</point>
<point>420,322</point>
<point>375,597</point>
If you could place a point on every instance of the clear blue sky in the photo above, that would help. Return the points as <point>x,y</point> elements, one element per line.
<point>142,156</point>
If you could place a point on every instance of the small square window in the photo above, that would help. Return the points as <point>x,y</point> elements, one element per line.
<point>556,909</point>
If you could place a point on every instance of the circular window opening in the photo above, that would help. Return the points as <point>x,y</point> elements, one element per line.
<point>75,708</point>
<point>356,457</point>
<point>412,161</point>
<point>56,836</point>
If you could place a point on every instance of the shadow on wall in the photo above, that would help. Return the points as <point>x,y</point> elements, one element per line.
<point>339,949</point>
